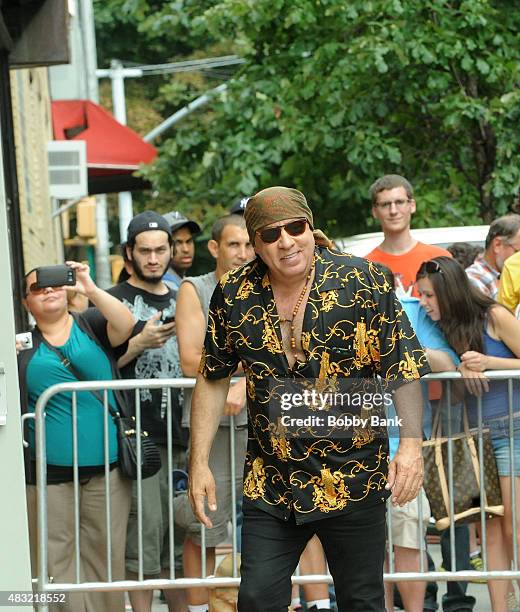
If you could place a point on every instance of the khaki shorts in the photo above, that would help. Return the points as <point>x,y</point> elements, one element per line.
<point>220,466</point>
<point>405,522</point>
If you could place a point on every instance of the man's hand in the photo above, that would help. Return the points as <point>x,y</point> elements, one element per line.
<point>405,472</point>
<point>202,485</point>
<point>236,398</point>
<point>154,335</point>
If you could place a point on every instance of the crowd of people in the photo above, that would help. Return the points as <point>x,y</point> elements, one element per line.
<point>280,304</point>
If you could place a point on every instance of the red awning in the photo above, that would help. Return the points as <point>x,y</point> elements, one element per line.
<point>114,151</point>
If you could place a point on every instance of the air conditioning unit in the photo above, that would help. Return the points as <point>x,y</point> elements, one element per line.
<point>67,169</point>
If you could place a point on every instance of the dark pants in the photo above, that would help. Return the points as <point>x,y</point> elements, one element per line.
<point>354,545</point>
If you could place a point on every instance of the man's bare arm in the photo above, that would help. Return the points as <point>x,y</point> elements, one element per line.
<point>191,328</point>
<point>207,408</point>
<point>440,361</point>
<point>151,336</point>
<point>405,473</point>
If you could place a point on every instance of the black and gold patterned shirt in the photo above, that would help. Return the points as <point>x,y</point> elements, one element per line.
<point>353,327</point>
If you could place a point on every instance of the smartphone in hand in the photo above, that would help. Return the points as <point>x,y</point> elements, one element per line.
<point>55,276</point>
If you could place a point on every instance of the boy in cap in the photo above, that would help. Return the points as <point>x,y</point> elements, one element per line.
<point>239,206</point>
<point>183,230</point>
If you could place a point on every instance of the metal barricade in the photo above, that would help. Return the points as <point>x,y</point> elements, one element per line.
<point>45,584</point>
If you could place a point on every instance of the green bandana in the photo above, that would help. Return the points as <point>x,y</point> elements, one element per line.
<point>275,204</point>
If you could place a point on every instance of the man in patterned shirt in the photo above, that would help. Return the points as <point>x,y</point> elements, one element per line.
<point>502,241</point>
<point>297,313</point>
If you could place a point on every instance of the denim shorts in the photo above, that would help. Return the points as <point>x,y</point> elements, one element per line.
<point>499,429</point>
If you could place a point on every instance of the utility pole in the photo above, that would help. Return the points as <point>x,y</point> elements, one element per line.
<point>117,74</point>
<point>118,99</point>
<point>103,271</point>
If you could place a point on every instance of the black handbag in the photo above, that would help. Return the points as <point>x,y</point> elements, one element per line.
<point>127,443</point>
<point>126,434</point>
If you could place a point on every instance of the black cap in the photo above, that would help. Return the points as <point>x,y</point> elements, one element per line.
<point>145,222</point>
<point>176,220</point>
<point>239,205</point>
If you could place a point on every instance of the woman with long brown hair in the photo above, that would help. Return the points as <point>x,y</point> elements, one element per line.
<point>487,337</point>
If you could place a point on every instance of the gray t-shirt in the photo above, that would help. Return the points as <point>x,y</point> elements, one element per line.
<point>204,286</point>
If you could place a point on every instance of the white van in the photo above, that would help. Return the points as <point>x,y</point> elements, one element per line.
<point>362,244</point>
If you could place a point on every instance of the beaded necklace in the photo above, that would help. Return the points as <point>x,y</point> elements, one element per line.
<point>295,312</point>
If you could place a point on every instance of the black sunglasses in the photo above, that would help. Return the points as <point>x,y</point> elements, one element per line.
<point>293,228</point>
<point>35,289</point>
<point>429,267</point>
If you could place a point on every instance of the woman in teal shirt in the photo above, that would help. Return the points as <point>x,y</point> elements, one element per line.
<point>86,340</point>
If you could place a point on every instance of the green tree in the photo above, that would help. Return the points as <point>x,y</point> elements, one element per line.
<point>334,94</point>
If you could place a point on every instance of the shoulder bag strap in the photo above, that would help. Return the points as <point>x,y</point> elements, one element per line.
<point>67,364</point>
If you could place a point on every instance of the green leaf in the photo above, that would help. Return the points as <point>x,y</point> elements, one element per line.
<point>482,66</point>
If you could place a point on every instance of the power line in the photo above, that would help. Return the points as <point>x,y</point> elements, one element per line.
<point>184,66</point>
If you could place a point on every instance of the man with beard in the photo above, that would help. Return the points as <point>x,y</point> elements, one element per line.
<point>152,353</point>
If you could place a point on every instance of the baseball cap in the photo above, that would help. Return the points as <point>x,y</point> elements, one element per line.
<point>145,222</point>
<point>176,220</point>
<point>239,205</point>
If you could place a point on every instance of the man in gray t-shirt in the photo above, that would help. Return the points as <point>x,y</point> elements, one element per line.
<point>230,247</point>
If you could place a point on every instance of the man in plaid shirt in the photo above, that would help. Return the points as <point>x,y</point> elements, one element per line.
<point>502,241</point>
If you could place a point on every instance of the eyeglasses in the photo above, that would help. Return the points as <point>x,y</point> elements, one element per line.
<point>293,228</point>
<point>511,246</point>
<point>398,203</point>
<point>429,267</point>
<point>36,290</point>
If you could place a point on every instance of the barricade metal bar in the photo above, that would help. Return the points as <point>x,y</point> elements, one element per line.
<point>139,484</point>
<point>232,462</point>
<point>482,480</point>
<point>451,488</point>
<point>76,484</point>
<point>211,582</point>
<point>108,504</point>
<point>25,417</point>
<point>391,560</point>
<point>203,551</point>
<point>169,446</point>
<point>41,484</point>
<point>420,529</point>
<point>514,509</point>
<point>483,528</point>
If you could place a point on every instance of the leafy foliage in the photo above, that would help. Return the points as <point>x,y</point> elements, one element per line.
<point>334,94</point>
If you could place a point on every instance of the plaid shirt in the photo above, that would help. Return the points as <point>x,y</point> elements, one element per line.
<point>484,277</point>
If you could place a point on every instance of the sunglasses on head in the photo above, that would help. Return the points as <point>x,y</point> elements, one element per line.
<point>293,228</point>
<point>429,267</point>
